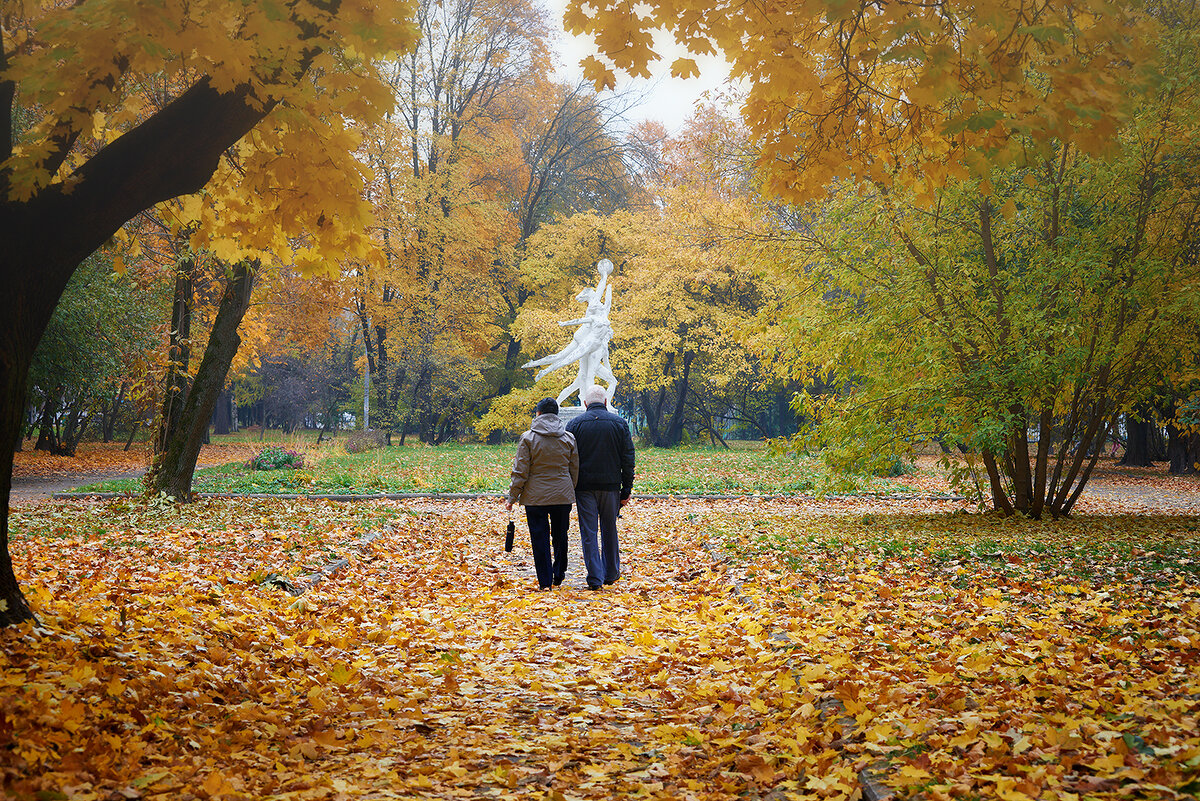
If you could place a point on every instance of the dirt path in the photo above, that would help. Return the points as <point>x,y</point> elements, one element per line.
<point>30,489</point>
<point>37,476</point>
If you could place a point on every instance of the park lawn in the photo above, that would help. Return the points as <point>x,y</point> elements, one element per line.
<point>973,657</point>
<point>466,468</point>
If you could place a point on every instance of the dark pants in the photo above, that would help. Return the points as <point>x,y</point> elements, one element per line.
<point>603,559</point>
<point>546,524</point>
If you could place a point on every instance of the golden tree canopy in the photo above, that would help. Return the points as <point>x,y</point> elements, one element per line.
<point>903,90</point>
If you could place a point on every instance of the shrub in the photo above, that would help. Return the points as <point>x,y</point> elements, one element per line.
<point>274,457</point>
<point>362,441</point>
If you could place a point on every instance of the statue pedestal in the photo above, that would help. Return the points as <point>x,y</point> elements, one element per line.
<point>569,413</point>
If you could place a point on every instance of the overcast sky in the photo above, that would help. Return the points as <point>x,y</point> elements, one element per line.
<point>668,100</point>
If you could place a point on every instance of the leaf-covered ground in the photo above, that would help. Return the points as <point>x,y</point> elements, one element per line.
<point>111,457</point>
<point>977,658</point>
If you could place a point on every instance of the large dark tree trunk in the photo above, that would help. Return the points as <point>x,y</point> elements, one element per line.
<point>1183,451</point>
<point>1144,443</point>
<point>13,369</point>
<point>1137,442</point>
<point>176,463</point>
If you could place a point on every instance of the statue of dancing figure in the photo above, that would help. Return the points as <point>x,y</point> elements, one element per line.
<point>589,346</point>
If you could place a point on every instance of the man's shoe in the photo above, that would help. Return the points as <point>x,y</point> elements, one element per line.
<point>558,580</point>
<point>595,586</point>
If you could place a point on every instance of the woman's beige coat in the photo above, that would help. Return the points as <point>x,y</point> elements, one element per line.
<point>547,464</point>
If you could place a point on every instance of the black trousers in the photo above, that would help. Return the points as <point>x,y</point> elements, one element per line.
<point>548,525</point>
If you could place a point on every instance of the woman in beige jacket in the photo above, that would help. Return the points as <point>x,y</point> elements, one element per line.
<point>543,480</point>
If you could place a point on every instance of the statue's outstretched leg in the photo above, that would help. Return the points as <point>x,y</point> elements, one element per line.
<point>566,393</point>
<point>607,374</point>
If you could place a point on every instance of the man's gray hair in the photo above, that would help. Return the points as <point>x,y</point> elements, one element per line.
<point>595,394</point>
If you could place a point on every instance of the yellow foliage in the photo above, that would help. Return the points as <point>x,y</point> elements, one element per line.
<point>101,69</point>
<point>890,91</point>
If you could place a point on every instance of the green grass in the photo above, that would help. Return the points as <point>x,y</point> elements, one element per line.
<point>959,548</point>
<point>485,469</point>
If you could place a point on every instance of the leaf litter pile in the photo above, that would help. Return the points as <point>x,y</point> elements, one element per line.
<point>111,457</point>
<point>751,649</point>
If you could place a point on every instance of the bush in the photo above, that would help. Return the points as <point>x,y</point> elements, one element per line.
<point>362,441</point>
<point>274,457</point>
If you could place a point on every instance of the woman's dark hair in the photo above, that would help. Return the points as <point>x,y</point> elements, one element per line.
<point>547,406</point>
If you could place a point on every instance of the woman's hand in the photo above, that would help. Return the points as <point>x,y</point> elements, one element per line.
<point>508,505</point>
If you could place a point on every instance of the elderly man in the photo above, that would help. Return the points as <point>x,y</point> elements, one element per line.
<point>606,463</point>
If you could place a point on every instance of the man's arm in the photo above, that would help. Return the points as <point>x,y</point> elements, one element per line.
<point>627,462</point>
<point>574,462</point>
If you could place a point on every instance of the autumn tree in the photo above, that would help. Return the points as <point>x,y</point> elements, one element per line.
<point>70,68</point>
<point>443,220</point>
<point>1013,156</point>
<point>576,157</point>
<point>1020,321</point>
<point>85,365</point>
<point>684,309</point>
<point>483,149</point>
<point>299,347</point>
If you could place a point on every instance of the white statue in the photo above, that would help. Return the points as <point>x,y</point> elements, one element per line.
<point>589,346</point>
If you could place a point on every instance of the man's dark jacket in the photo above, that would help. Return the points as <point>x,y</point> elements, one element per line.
<point>605,450</point>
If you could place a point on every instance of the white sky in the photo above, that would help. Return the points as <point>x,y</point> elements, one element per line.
<point>668,100</point>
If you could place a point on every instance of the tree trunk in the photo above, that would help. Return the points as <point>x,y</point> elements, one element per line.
<point>1000,500</point>
<point>134,425</point>
<point>222,422</point>
<point>1140,432</point>
<point>652,408</point>
<point>46,440</point>
<point>177,463</point>
<point>675,430</point>
<point>1022,478</point>
<point>1158,444</point>
<point>13,606</point>
<point>383,411</point>
<point>109,414</point>
<point>179,356</point>
<point>74,426</point>
<point>1183,451</point>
